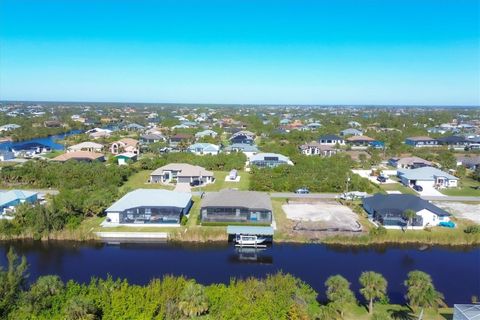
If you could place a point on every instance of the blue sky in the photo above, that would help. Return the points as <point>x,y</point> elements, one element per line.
<point>245,51</point>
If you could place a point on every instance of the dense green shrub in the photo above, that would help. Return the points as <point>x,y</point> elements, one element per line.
<point>472,229</point>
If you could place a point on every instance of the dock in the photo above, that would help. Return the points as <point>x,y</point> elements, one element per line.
<point>132,236</point>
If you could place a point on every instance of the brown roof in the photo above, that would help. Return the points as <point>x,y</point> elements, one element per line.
<point>128,142</point>
<point>79,155</point>
<point>360,138</point>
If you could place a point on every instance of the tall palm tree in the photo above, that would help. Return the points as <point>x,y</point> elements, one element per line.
<point>421,292</point>
<point>374,286</point>
<point>410,215</point>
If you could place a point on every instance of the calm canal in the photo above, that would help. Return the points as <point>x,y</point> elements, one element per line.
<point>50,141</point>
<point>455,272</point>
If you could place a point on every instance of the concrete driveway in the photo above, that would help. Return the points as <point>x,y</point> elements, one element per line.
<point>183,187</point>
<point>430,192</point>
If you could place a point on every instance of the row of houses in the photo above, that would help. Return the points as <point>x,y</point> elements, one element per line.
<point>456,142</point>
<point>164,207</point>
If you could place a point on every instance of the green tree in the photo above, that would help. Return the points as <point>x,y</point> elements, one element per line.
<point>374,286</point>
<point>339,293</point>
<point>193,301</point>
<point>12,282</point>
<point>421,292</point>
<point>42,293</point>
<point>410,215</point>
<point>81,308</point>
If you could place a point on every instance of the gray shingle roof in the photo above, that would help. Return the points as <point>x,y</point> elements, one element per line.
<point>425,173</point>
<point>233,198</point>
<point>151,198</point>
<point>398,203</point>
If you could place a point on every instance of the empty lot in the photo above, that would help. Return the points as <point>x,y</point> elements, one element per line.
<point>470,211</point>
<point>321,215</point>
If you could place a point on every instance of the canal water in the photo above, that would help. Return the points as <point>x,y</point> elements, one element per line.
<point>455,272</point>
<point>50,141</point>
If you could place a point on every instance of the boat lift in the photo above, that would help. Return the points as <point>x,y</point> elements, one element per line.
<point>250,236</point>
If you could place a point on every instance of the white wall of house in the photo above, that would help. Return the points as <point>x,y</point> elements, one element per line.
<point>114,217</point>
<point>430,218</point>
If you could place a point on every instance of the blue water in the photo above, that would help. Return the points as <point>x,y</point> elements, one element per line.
<point>49,141</point>
<point>455,272</point>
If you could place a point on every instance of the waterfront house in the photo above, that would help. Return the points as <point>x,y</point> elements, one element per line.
<point>6,155</point>
<point>85,156</point>
<point>181,173</point>
<point>204,148</point>
<point>409,163</point>
<point>125,145</point>
<point>331,140</point>
<point>269,160</point>
<point>12,198</point>
<point>422,141</point>
<point>149,207</point>
<point>315,148</point>
<point>389,211</point>
<point>232,206</point>
<point>427,177</point>
<point>86,146</point>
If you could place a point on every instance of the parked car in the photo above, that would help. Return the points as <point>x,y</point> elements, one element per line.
<point>417,188</point>
<point>381,179</point>
<point>195,183</point>
<point>302,191</point>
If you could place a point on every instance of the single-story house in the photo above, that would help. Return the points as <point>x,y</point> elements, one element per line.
<point>359,140</point>
<point>6,155</point>
<point>421,141</point>
<point>315,148</point>
<point>13,198</point>
<point>454,142</point>
<point>331,140</point>
<point>124,158</point>
<point>9,127</point>
<point>204,148</point>
<point>86,146</point>
<point>206,133</point>
<point>182,173</point>
<point>409,163</point>
<point>471,163</point>
<point>175,140</point>
<point>248,149</point>
<point>80,156</point>
<point>269,160</point>
<point>125,145</point>
<point>150,206</point>
<point>351,132</point>
<point>389,210</point>
<point>52,124</point>
<point>313,126</point>
<point>242,136</point>
<point>427,177</point>
<point>236,206</point>
<point>151,138</point>
<point>134,127</point>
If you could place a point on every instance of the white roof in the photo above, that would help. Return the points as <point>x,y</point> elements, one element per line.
<point>184,169</point>
<point>151,198</point>
<point>262,156</point>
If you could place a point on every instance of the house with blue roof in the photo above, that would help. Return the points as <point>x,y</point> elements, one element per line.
<point>427,177</point>
<point>149,207</point>
<point>204,148</point>
<point>13,198</point>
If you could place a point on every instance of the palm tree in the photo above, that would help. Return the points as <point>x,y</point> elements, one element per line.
<point>339,293</point>
<point>374,286</point>
<point>421,292</point>
<point>193,301</point>
<point>410,215</point>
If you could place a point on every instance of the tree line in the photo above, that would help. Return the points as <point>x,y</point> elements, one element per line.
<point>278,296</point>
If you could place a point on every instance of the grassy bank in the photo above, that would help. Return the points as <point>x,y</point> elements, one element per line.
<point>356,312</point>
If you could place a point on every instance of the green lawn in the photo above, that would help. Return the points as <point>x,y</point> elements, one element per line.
<point>220,182</point>
<point>139,180</point>
<point>54,154</point>
<point>357,312</point>
<point>397,187</point>
<point>465,189</point>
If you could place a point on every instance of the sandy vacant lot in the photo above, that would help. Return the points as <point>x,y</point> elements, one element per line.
<point>325,214</point>
<point>470,211</point>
